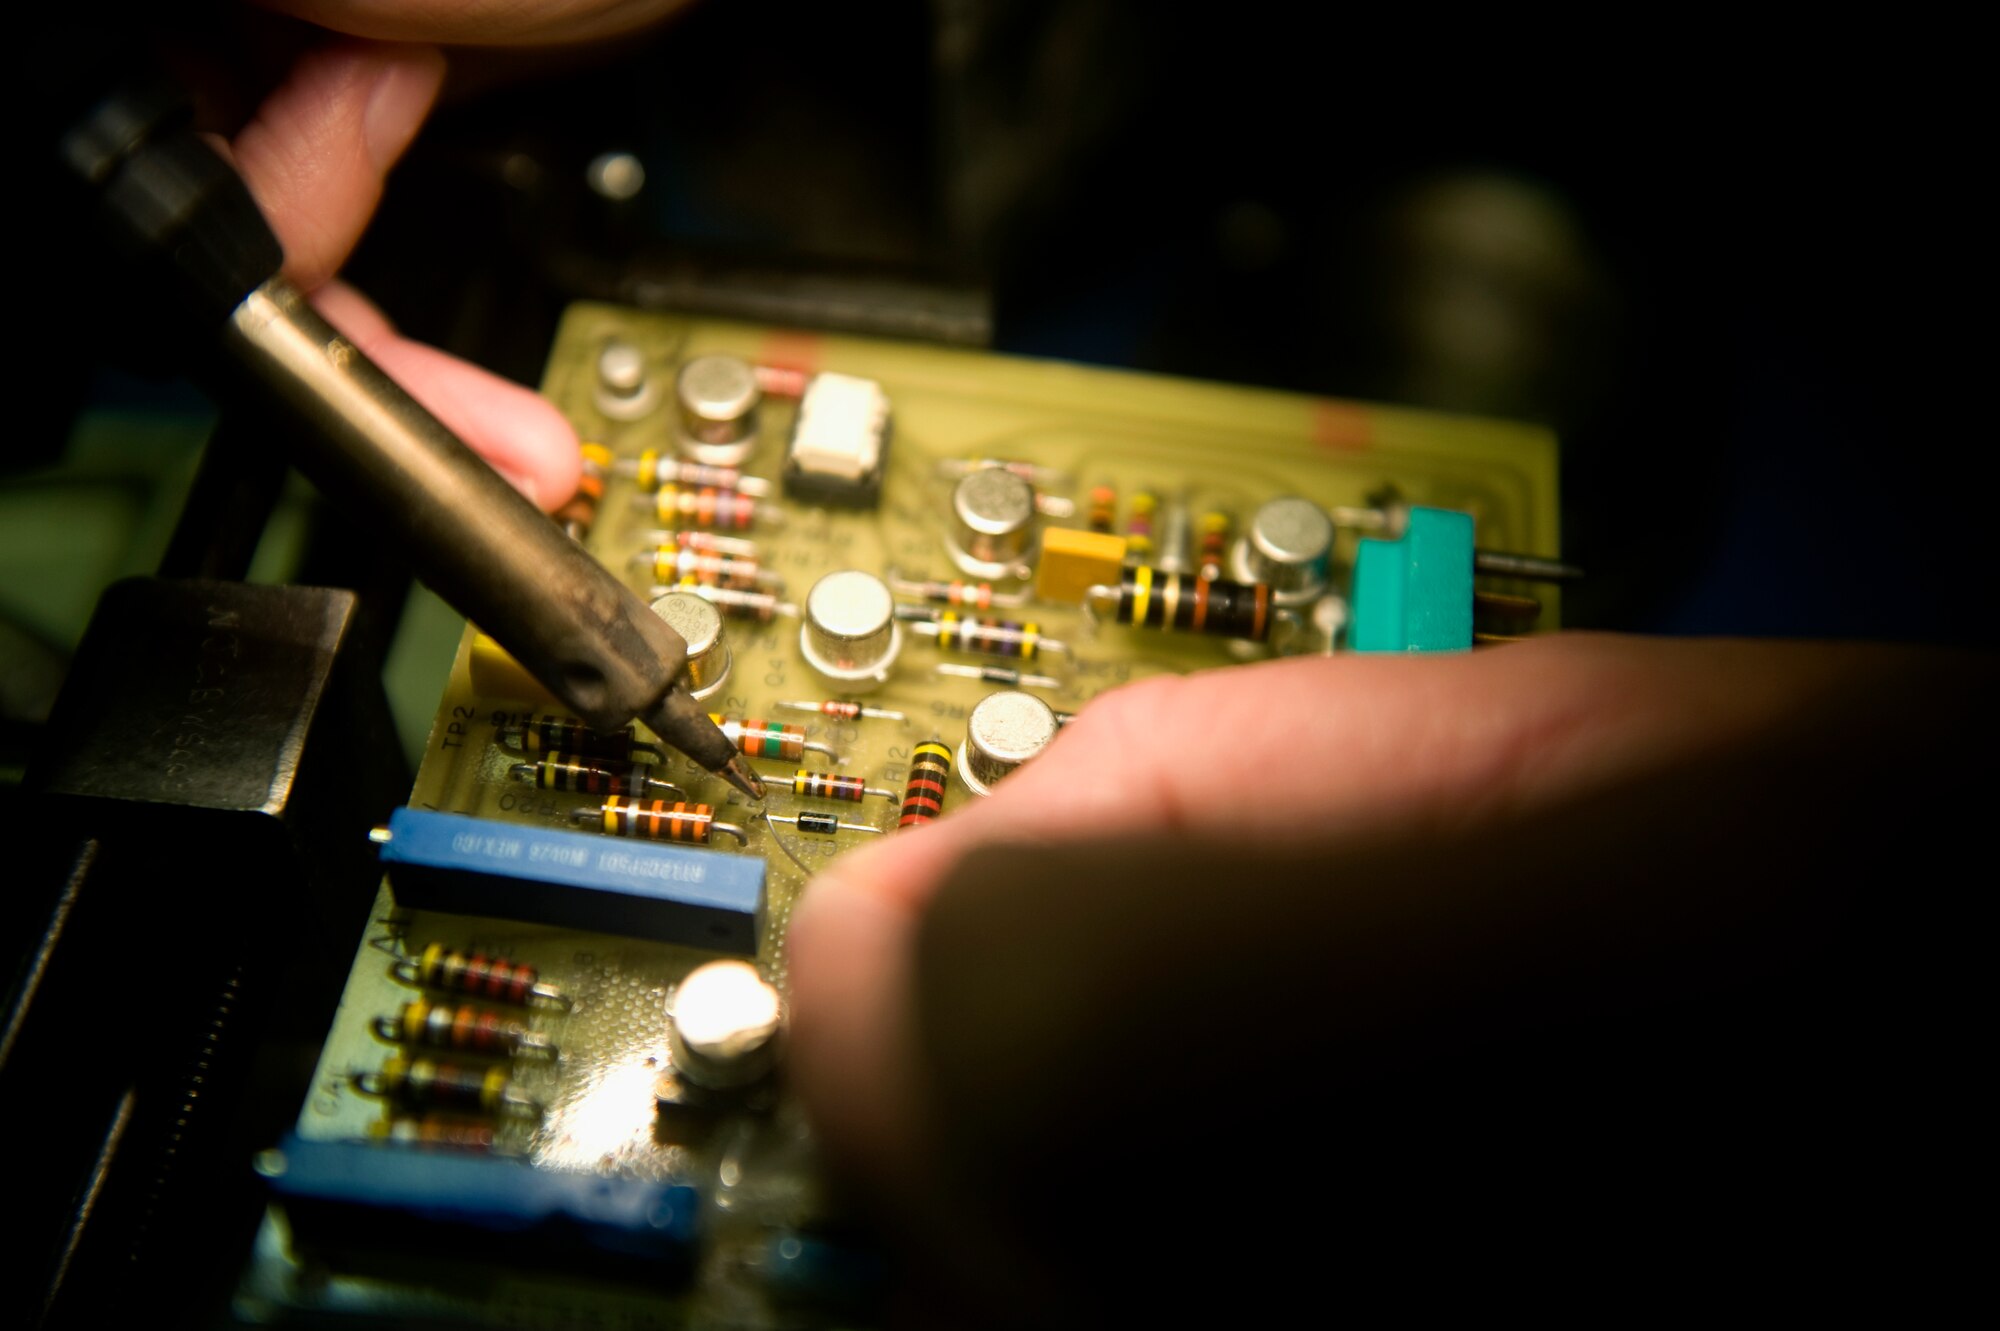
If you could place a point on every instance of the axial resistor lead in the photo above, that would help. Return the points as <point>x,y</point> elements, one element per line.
<point>592,776</point>
<point>733,602</point>
<point>529,733</point>
<point>987,637</point>
<point>842,710</point>
<point>465,1028</point>
<point>706,506</point>
<point>957,593</point>
<point>758,738</point>
<point>578,515</point>
<point>1151,599</point>
<point>820,824</point>
<point>923,793</point>
<point>652,469</point>
<point>657,820</point>
<point>1216,528</point>
<point>826,786</point>
<point>479,976</point>
<point>419,1084</point>
<point>676,563</point>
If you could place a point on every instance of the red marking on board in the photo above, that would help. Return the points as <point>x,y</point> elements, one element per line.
<point>1342,426</point>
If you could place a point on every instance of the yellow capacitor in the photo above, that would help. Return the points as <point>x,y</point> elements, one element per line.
<point>1072,562</point>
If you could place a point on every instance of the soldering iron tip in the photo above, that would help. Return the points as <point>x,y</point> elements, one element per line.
<point>742,776</point>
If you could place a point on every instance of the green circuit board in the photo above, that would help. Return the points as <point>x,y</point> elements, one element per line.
<point>1204,448</point>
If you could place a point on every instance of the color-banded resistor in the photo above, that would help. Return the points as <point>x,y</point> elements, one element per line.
<point>706,506</point>
<point>741,547</point>
<point>592,776</point>
<point>1103,508</point>
<point>821,824</point>
<point>652,469</point>
<point>759,738</point>
<point>842,710</point>
<point>465,1028</point>
<point>733,602</point>
<point>418,1084</point>
<point>657,820</point>
<point>923,794</point>
<point>677,563</point>
<point>987,637</point>
<point>1216,528</point>
<point>471,973</point>
<point>528,733</point>
<point>1040,477</point>
<point>577,516</point>
<point>1139,523</point>
<point>1151,599</point>
<point>991,674</point>
<point>435,1130</point>
<point>826,786</point>
<point>957,593</point>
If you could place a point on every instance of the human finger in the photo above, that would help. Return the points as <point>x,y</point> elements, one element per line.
<point>480,22</point>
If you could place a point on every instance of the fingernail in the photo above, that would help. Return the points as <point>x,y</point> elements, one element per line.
<point>402,94</point>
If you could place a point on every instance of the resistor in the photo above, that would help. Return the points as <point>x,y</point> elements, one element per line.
<point>1039,477</point>
<point>578,515</point>
<point>759,738</point>
<point>821,824</point>
<point>842,710</point>
<point>1139,524</point>
<point>659,821</point>
<point>528,733</point>
<point>497,978</point>
<point>419,1084</point>
<point>957,593</point>
<point>678,563</point>
<point>435,1130</point>
<point>652,469</point>
<point>706,506</point>
<point>827,786</point>
<point>705,541</point>
<point>1216,529</point>
<point>923,794</point>
<point>991,674</point>
<point>466,1028</point>
<point>733,602</point>
<point>592,776</point>
<point>1103,508</point>
<point>987,637</point>
<point>1151,599</point>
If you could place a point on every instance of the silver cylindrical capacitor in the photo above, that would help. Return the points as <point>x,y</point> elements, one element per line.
<point>850,634</point>
<point>1288,546</point>
<point>625,391</point>
<point>992,529</point>
<point>700,623</point>
<point>1004,731</point>
<point>718,399</point>
<point>725,1026</point>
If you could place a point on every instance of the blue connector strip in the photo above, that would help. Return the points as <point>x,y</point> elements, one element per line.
<point>574,880</point>
<point>1414,594</point>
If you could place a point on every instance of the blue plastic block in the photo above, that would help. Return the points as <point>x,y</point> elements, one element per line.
<point>1414,594</point>
<point>576,880</point>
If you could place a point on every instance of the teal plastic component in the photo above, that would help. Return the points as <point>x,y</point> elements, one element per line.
<point>1414,594</point>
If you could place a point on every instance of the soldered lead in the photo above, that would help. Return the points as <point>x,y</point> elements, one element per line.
<point>842,710</point>
<point>584,776</point>
<point>500,979</point>
<point>990,674</point>
<point>652,469</point>
<point>827,786</point>
<point>657,820</point>
<point>821,824</point>
<point>987,637</point>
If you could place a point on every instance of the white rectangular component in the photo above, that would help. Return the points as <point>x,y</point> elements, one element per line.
<point>842,423</point>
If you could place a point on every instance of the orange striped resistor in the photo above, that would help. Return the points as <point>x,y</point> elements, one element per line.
<point>657,820</point>
<point>496,978</point>
<point>462,1027</point>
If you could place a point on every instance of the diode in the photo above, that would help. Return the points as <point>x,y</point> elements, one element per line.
<point>759,738</point>
<point>820,824</point>
<point>1148,598</point>
<point>498,978</point>
<point>591,776</point>
<point>706,506</point>
<point>827,786</point>
<point>465,1028</point>
<point>652,469</point>
<point>956,593</point>
<point>658,820</point>
<point>923,793</point>
<point>842,710</point>
<point>675,563</point>
<point>987,637</point>
<point>733,602</point>
<point>419,1084</point>
<point>991,674</point>
<point>565,734</point>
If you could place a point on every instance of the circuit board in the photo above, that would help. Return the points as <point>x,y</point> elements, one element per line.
<point>1174,472</point>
